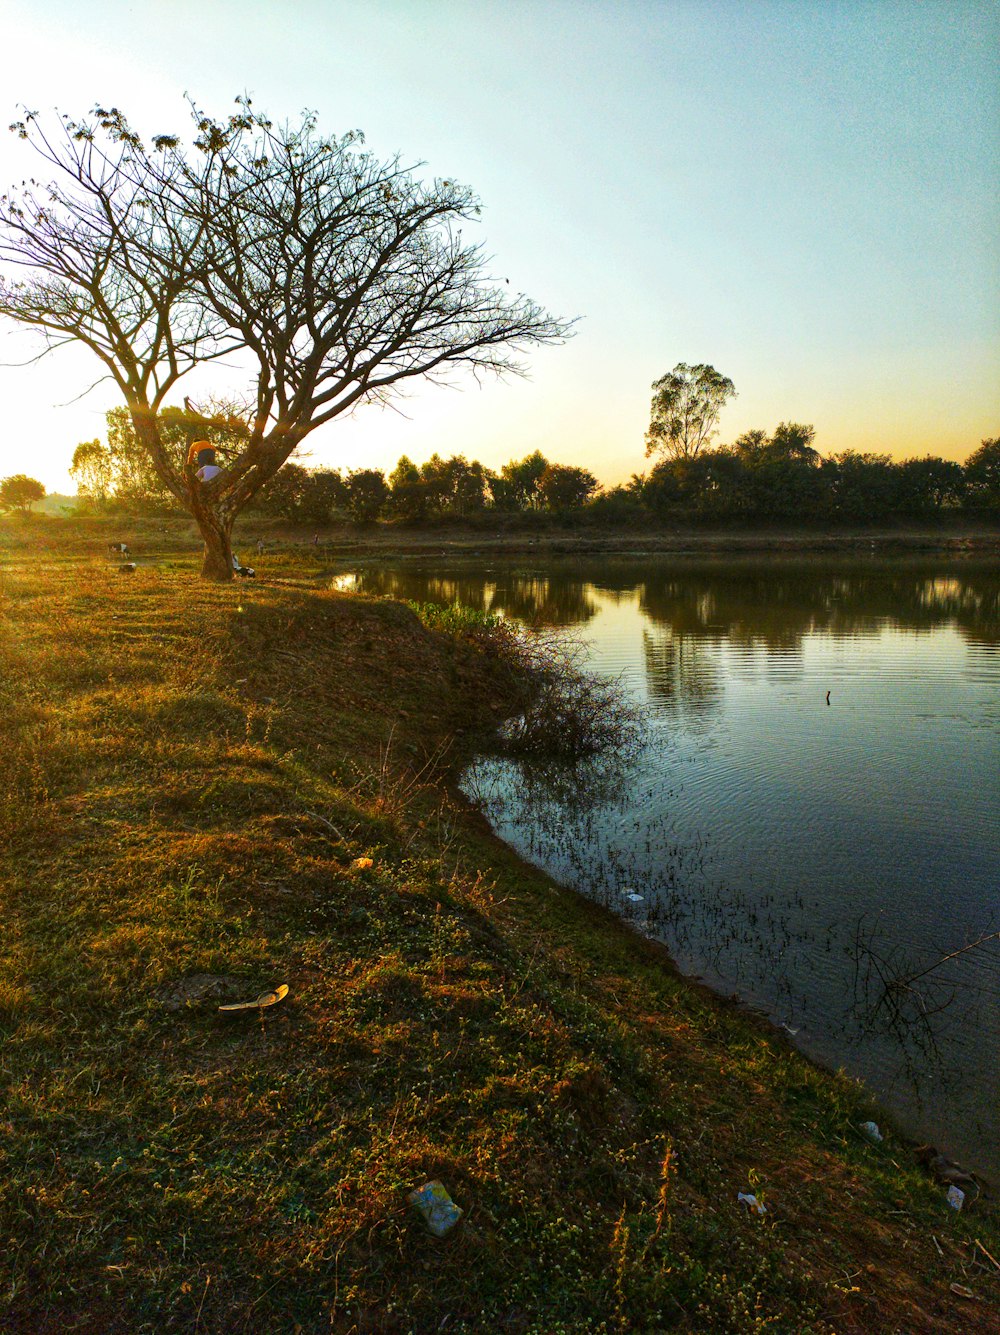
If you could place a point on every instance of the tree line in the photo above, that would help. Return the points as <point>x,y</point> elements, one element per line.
<point>761,475</point>
<point>116,476</point>
<point>780,474</point>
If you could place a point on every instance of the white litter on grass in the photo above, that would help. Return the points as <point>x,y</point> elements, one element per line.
<point>746,1199</point>
<point>870,1129</point>
<point>955,1197</point>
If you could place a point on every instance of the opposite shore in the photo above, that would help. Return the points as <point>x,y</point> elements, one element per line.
<point>522,535</point>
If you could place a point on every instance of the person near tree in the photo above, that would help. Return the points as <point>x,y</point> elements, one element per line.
<point>203,454</point>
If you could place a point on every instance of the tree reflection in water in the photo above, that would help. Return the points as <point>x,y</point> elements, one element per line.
<point>774,603</point>
<point>778,604</point>
<point>537,599</point>
<point>682,672</point>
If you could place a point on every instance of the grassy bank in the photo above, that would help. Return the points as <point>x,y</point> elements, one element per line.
<point>207,792</point>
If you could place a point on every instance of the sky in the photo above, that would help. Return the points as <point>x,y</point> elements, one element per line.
<point>802,193</point>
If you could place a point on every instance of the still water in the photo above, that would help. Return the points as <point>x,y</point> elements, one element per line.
<point>799,848</point>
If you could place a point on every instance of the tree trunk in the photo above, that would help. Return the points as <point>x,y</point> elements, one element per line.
<point>216,530</point>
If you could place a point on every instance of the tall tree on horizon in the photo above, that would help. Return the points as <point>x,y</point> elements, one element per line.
<point>685,410</point>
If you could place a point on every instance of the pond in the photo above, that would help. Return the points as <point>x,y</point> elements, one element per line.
<point>813,818</point>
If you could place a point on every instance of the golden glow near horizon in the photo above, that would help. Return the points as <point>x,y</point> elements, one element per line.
<point>815,216</point>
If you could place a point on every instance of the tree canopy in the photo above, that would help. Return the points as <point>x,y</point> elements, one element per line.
<point>336,276</point>
<point>564,487</point>
<point>762,475</point>
<point>685,410</point>
<point>121,472</point>
<point>517,486</point>
<point>983,472</point>
<point>20,492</point>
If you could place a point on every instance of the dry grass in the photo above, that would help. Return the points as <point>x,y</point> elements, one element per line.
<point>191,775</point>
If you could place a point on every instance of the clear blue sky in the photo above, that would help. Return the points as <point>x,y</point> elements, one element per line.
<point>801,192</point>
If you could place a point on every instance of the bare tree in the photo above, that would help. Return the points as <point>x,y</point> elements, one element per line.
<point>335,275</point>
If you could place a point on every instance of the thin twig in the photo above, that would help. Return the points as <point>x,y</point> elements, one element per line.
<point>987,1254</point>
<point>313,815</point>
<point>972,945</point>
<point>197,1320</point>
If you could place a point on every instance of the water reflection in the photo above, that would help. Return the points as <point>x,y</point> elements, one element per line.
<point>532,597</point>
<point>774,603</point>
<point>784,847</point>
<point>682,671</point>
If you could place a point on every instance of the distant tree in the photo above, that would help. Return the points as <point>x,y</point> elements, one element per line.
<point>503,495</point>
<point>405,472</point>
<point>92,467</point>
<point>452,486</point>
<point>929,485</point>
<point>20,493</point>
<point>982,474</point>
<point>566,488</point>
<point>685,409</point>
<point>336,276</point>
<point>794,440</point>
<point>468,485</point>
<point>282,497</point>
<point>621,505</point>
<point>861,486</point>
<point>768,476</point>
<point>409,497</point>
<point>324,493</point>
<point>437,478</point>
<point>367,493</point>
<point>302,495</point>
<point>682,484</point>
<point>751,446</point>
<point>522,478</point>
<point>135,481</point>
